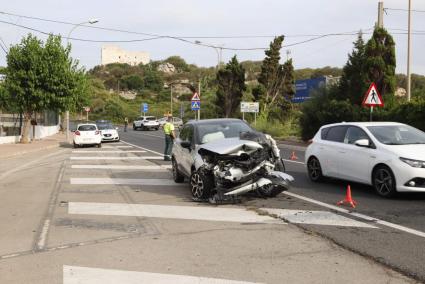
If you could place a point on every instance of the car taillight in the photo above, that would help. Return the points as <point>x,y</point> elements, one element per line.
<point>97,132</point>
<point>77,132</point>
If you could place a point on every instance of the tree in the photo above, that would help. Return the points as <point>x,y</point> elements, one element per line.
<point>178,63</point>
<point>231,84</point>
<point>42,76</point>
<point>381,62</point>
<point>353,82</point>
<point>274,77</point>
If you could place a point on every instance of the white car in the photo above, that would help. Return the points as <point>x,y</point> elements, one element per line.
<point>146,123</point>
<point>389,156</point>
<point>87,134</point>
<point>108,132</point>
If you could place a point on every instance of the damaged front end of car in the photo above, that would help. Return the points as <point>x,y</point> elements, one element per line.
<point>235,166</point>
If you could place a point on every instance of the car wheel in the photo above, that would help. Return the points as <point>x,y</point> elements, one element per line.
<point>177,176</point>
<point>134,127</point>
<point>314,170</point>
<point>201,185</point>
<point>384,181</point>
<point>99,145</point>
<point>75,145</point>
<point>279,165</point>
<point>269,190</point>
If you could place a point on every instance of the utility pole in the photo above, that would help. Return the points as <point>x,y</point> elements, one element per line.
<point>199,93</point>
<point>409,42</point>
<point>380,22</point>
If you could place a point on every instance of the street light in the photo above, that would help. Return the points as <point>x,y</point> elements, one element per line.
<point>91,22</point>
<point>215,48</point>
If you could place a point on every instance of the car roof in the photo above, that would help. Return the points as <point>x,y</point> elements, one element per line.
<point>364,124</point>
<point>81,124</point>
<point>215,120</point>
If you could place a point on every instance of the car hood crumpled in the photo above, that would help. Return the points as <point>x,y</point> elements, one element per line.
<point>228,146</point>
<point>409,151</point>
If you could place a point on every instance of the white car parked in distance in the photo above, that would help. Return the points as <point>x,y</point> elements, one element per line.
<point>87,134</point>
<point>389,156</point>
<point>146,123</point>
<point>177,121</point>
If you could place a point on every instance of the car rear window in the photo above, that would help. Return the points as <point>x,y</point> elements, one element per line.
<point>150,118</point>
<point>336,133</point>
<point>86,128</point>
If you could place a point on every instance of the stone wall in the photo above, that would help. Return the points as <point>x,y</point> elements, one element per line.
<point>114,54</point>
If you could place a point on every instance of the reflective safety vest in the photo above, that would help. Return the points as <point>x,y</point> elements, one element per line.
<point>168,128</point>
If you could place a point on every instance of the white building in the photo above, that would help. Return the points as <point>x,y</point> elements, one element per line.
<point>114,54</point>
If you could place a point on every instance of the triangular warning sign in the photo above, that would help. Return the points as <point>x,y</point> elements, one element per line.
<point>196,97</point>
<point>372,97</point>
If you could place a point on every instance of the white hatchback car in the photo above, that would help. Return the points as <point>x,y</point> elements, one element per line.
<point>87,134</point>
<point>389,156</point>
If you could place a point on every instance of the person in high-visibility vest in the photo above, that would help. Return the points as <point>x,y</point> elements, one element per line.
<point>170,135</point>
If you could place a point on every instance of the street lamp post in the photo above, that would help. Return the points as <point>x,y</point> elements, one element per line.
<point>91,22</point>
<point>216,50</point>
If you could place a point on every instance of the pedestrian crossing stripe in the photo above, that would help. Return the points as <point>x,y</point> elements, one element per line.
<point>372,97</point>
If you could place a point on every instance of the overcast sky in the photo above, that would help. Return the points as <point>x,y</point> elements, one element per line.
<point>220,18</point>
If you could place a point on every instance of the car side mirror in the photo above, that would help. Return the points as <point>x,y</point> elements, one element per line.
<point>186,144</point>
<point>362,143</point>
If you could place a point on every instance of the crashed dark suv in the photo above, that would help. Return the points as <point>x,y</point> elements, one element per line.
<point>225,158</point>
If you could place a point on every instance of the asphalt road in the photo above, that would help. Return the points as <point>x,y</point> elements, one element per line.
<point>399,238</point>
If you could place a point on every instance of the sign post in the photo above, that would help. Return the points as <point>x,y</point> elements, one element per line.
<point>372,99</point>
<point>87,110</point>
<point>144,108</point>
<point>196,105</point>
<point>250,107</point>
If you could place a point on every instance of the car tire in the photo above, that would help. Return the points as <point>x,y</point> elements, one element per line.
<point>177,176</point>
<point>314,170</point>
<point>99,145</point>
<point>279,165</point>
<point>269,190</point>
<point>134,127</point>
<point>75,145</point>
<point>384,182</point>
<point>201,185</point>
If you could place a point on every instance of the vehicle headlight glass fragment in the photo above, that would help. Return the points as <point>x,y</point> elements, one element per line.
<point>414,163</point>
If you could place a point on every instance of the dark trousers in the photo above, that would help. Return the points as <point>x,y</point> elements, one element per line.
<point>125,127</point>
<point>168,147</point>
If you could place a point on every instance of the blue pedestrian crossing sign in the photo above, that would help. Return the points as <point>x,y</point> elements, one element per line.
<point>196,105</point>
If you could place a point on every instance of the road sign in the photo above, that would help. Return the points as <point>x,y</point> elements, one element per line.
<point>145,107</point>
<point>196,105</point>
<point>250,107</point>
<point>86,109</point>
<point>372,98</point>
<point>195,97</point>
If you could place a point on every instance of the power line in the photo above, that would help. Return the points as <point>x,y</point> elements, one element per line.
<point>404,10</point>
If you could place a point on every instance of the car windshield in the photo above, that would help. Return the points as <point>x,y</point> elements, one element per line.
<point>397,134</point>
<point>105,126</point>
<point>86,128</point>
<point>218,130</point>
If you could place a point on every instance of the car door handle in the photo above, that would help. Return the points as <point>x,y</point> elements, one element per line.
<point>373,157</point>
<point>342,152</point>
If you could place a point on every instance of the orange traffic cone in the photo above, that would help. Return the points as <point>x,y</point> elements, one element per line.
<point>293,156</point>
<point>348,199</point>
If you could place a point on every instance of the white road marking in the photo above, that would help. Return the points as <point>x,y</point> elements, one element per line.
<point>109,151</point>
<point>42,241</point>
<point>111,147</point>
<point>316,218</point>
<point>171,212</point>
<point>359,215</point>
<point>88,275</point>
<point>291,161</point>
<point>121,167</point>
<point>161,154</point>
<point>116,158</point>
<point>123,181</point>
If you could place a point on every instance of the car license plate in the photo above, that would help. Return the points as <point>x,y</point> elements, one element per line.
<point>86,139</point>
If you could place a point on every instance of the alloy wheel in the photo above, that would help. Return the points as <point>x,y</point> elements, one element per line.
<point>314,169</point>
<point>384,183</point>
<point>197,185</point>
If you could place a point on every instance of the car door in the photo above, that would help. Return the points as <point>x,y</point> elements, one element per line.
<point>183,155</point>
<point>358,160</point>
<point>332,152</point>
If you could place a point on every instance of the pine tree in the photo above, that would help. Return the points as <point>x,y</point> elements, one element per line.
<point>231,84</point>
<point>353,82</point>
<point>381,62</point>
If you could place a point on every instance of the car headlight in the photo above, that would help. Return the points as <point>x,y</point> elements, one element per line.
<point>414,163</point>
